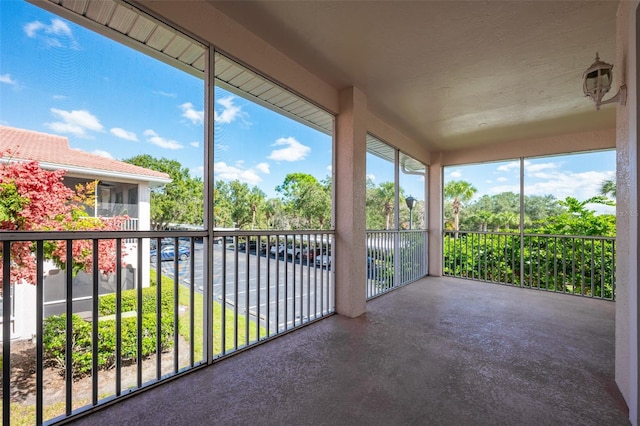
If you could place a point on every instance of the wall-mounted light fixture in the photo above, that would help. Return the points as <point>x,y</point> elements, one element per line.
<point>597,82</point>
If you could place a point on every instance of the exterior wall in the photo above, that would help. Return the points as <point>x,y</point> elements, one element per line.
<point>144,224</point>
<point>382,130</point>
<point>626,360</point>
<point>24,324</point>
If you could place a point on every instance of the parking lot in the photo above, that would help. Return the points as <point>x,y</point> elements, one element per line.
<point>279,290</point>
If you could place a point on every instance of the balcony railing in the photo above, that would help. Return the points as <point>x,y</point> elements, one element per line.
<point>386,270</point>
<point>102,337</point>
<point>569,264</point>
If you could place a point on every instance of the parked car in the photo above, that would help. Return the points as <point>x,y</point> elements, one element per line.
<point>169,253</point>
<point>310,254</point>
<point>253,245</point>
<point>324,260</point>
<point>164,242</point>
<point>293,251</point>
<point>278,250</point>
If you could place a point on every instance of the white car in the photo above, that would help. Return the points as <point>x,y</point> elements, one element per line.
<point>279,249</point>
<point>324,260</point>
<point>293,251</point>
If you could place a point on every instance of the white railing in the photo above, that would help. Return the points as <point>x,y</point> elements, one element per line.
<point>394,258</point>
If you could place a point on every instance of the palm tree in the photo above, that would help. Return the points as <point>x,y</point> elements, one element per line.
<point>458,192</point>
<point>385,193</point>
<point>608,188</point>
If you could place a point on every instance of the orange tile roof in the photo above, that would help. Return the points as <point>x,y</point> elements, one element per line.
<point>43,147</point>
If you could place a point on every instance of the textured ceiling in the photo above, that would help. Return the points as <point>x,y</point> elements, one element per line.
<point>450,74</point>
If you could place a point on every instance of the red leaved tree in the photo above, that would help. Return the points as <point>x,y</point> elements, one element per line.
<point>33,199</point>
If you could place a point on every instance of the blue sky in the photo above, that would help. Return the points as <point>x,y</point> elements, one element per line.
<point>57,77</point>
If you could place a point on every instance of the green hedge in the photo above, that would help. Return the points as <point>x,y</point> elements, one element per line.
<point>54,332</point>
<point>107,302</point>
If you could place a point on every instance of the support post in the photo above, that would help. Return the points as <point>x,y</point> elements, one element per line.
<point>349,255</point>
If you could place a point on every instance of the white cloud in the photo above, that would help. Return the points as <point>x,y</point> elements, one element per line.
<point>6,79</point>
<point>154,138</point>
<point>124,134</point>
<point>502,179</point>
<point>560,184</point>
<point>455,174</point>
<point>32,28</point>
<point>195,144</point>
<point>54,34</point>
<point>59,97</point>
<point>197,171</point>
<point>166,94</point>
<point>76,122</point>
<point>329,168</point>
<point>229,112</point>
<point>294,150</point>
<point>58,27</point>
<point>263,167</point>
<point>228,173</point>
<point>581,185</point>
<point>102,153</point>
<point>191,114</point>
<point>505,188</point>
<point>513,165</point>
<point>371,177</point>
<point>532,168</point>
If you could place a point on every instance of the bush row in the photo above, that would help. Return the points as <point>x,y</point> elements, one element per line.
<point>54,332</point>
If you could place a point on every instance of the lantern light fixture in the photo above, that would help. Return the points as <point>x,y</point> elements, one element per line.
<point>597,82</point>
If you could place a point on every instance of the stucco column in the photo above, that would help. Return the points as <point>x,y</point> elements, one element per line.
<point>435,215</point>
<point>349,255</point>
<point>627,302</point>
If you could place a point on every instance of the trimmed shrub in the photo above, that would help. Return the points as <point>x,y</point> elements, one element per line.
<point>54,332</point>
<point>107,302</point>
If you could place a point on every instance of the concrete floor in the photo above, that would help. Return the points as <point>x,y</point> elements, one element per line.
<point>440,351</point>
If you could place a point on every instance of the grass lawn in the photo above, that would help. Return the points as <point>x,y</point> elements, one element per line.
<point>198,329</point>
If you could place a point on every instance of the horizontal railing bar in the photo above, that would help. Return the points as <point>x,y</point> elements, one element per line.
<point>585,237</point>
<point>271,233</point>
<point>94,235</point>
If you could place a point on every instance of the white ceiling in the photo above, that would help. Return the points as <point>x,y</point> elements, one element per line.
<point>450,74</point>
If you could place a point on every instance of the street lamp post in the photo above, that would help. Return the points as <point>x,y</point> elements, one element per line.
<point>411,202</point>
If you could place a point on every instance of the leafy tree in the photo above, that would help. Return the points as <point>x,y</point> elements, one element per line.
<point>240,205</point>
<point>538,207</point>
<point>307,199</point>
<point>458,192</point>
<point>274,214</point>
<point>179,201</point>
<point>33,199</point>
<point>507,220</point>
<point>380,204</point>
<point>578,220</point>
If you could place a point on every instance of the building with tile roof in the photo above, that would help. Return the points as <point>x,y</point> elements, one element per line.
<point>122,189</point>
